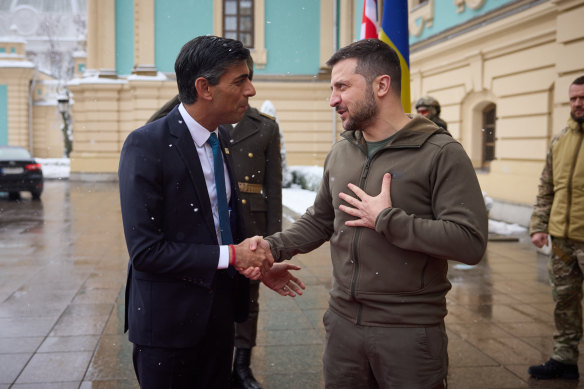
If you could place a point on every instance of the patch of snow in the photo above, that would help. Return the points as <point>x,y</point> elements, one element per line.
<point>158,77</point>
<point>488,201</point>
<point>307,177</point>
<point>94,79</point>
<point>16,64</point>
<point>55,168</point>
<point>462,266</point>
<point>297,199</point>
<point>503,228</point>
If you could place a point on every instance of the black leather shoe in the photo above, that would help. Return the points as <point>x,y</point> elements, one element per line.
<point>554,369</point>
<point>242,376</point>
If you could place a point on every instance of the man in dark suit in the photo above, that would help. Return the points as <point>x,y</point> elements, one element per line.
<point>257,167</point>
<point>183,291</point>
<point>257,164</point>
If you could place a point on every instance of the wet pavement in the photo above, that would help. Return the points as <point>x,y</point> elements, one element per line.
<point>62,272</point>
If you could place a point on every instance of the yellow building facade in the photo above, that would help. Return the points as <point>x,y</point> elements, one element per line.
<point>514,63</point>
<point>32,119</point>
<point>108,107</point>
<point>521,63</point>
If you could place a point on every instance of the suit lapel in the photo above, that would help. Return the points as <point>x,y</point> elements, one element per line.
<point>187,150</point>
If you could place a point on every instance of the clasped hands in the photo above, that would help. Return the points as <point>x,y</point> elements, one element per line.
<point>254,260</point>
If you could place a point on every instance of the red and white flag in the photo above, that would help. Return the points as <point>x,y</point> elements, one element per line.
<point>369,22</point>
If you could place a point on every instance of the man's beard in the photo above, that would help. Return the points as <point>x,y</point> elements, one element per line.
<point>364,112</point>
<point>577,119</point>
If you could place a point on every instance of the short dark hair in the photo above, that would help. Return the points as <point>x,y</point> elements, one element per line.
<point>374,58</point>
<point>578,81</point>
<point>205,56</point>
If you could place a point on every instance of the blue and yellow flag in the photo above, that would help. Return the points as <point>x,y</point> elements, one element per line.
<point>394,32</point>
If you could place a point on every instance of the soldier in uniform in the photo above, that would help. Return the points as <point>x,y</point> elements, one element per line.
<point>430,107</point>
<point>257,164</point>
<point>558,213</point>
<point>255,151</point>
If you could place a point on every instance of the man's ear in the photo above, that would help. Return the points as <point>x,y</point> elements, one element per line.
<point>382,85</point>
<point>203,88</point>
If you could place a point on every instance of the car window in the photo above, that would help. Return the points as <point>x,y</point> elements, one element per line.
<point>14,153</point>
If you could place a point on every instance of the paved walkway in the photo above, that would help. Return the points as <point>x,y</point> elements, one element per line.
<point>62,272</point>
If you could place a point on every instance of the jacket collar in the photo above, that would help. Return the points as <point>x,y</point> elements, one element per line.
<point>574,125</point>
<point>185,146</point>
<point>412,135</point>
<point>247,126</point>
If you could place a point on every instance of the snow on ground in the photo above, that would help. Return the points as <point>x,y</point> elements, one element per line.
<point>503,228</point>
<point>308,177</point>
<point>297,199</point>
<point>54,168</point>
<point>294,198</point>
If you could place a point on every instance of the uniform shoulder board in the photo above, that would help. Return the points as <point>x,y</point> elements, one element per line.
<point>268,116</point>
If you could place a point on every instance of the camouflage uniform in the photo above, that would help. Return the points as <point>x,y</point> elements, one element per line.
<point>566,265</point>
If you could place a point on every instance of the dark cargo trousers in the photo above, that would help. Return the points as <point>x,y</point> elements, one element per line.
<point>367,357</point>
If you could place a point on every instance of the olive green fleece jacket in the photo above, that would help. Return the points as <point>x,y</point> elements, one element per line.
<point>395,275</point>
<point>559,208</point>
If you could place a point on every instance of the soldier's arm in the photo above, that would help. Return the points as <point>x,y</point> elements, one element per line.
<point>545,197</point>
<point>273,180</point>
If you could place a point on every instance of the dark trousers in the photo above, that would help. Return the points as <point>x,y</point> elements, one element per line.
<point>207,365</point>
<point>364,357</point>
<point>246,332</point>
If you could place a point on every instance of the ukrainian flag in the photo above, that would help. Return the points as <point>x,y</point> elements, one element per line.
<point>394,32</point>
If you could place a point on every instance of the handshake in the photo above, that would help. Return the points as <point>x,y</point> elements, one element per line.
<point>253,259</point>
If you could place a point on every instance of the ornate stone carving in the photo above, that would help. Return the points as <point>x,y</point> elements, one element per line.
<point>421,15</point>
<point>472,4</point>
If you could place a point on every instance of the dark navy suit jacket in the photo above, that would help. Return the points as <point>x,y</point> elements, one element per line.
<point>170,234</point>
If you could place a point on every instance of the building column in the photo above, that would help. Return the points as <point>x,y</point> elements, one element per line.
<point>346,22</point>
<point>144,62</point>
<point>96,129</point>
<point>101,38</point>
<point>327,38</point>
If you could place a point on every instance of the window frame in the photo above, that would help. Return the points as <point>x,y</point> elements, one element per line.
<point>489,128</point>
<point>258,52</point>
<point>238,16</point>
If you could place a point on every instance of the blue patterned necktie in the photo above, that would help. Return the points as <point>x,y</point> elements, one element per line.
<point>224,224</point>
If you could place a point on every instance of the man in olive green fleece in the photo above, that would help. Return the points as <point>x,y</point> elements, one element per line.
<point>559,213</point>
<point>398,197</point>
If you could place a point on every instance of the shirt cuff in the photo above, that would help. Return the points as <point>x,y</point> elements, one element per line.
<point>223,257</point>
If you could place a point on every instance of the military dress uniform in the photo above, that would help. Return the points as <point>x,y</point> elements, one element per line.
<point>257,163</point>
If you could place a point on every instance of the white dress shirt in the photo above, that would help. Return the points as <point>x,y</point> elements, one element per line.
<point>200,135</point>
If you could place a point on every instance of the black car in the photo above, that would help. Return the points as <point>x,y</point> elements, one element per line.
<point>19,172</point>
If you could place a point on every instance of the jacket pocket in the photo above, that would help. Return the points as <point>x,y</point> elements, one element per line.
<point>258,204</point>
<point>388,269</point>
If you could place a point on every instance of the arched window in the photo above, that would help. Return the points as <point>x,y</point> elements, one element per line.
<point>488,128</point>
